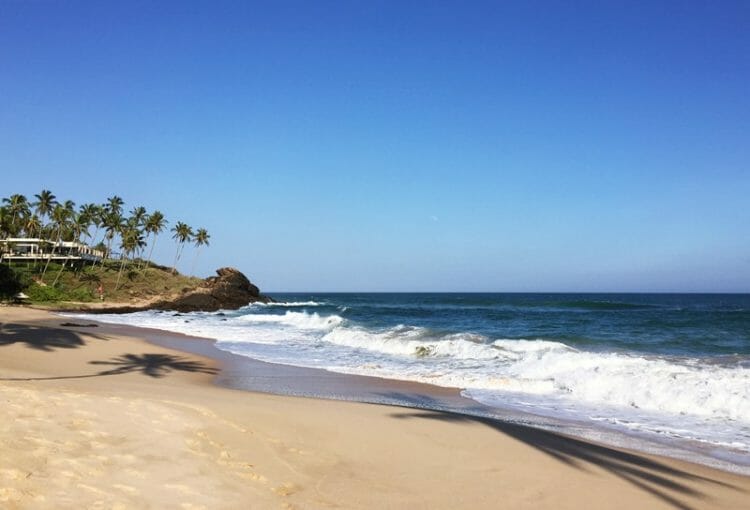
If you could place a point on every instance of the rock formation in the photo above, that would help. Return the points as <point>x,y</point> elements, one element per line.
<point>228,291</point>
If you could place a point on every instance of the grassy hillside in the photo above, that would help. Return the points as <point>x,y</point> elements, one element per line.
<point>137,282</point>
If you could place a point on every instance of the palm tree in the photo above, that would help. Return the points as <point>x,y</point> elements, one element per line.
<point>138,218</point>
<point>89,213</point>
<point>201,238</point>
<point>155,224</point>
<point>45,202</point>
<point>182,233</point>
<point>95,214</point>
<point>4,222</point>
<point>138,214</point>
<point>32,225</point>
<point>18,207</point>
<point>112,220</point>
<point>62,220</point>
<point>114,204</point>
<point>61,215</point>
<point>81,224</point>
<point>132,240</point>
<point>112,225</point>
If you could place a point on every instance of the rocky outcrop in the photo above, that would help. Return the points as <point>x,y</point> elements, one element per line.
<point>229,290</point>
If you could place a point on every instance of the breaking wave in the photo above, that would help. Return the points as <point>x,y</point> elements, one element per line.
<point>647,392</point>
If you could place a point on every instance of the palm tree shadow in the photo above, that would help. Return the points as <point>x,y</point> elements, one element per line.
<point>43,338</point>
<point>153,365</point>
<point>659,479</point>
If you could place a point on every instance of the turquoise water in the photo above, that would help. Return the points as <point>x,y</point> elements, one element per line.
<point>675,367</point>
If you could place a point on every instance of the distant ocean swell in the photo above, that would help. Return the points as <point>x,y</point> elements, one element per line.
<point>705,398</point>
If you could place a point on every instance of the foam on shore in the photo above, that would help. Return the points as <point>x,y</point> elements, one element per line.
<point>679,397</point>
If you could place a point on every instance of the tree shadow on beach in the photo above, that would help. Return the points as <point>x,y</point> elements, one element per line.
<point>148,364</point>
<point>659,479</point>
<point>153,365</point>
<point>43,338</point>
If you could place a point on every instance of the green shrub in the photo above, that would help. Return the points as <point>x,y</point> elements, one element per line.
<point>11,283</point>
<point>80,294</point>
<point>40,293</point>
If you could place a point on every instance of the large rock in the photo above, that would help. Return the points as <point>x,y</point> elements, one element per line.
<point>228,291</point>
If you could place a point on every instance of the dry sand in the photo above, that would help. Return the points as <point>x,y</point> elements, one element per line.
<point>95,419</point>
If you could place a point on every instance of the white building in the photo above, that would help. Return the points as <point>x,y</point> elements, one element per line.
<point>29,249</point>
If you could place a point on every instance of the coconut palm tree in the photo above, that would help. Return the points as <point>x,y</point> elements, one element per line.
<point>201,238</point>
<point>4,222</point>
<point>89,213</point>
<point>61,216</point>
<point>45,202</point>
<point>132,240</point>
<point>138,214</point>
<point>18,207</point>
<point>182,233</point>
<point>113,225</point>
<point>32,226</point>
<point>138,218</point>
<point>114,204</point>
<point>70,211</point>
<point>95,215</point>
<point>155,224</point>
<point>112,221</point>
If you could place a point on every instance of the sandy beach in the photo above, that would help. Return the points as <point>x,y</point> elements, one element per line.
<point>95,418</point>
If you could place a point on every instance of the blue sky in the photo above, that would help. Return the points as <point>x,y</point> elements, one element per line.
<point>396,146</point>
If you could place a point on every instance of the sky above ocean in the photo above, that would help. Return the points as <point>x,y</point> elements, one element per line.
<point>395,146</point>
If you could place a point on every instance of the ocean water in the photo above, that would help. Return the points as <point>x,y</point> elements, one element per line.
<point>671,367</point>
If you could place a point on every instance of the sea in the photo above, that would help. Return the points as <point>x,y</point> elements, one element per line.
<point>670,369</point>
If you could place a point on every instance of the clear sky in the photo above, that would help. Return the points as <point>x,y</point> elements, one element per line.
<point>425,146</point>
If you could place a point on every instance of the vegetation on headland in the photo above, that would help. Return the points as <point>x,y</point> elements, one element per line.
<point>82,286</point>
<point>116,276</point>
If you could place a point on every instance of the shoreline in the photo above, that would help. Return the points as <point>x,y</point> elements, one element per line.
<point>241,372</point>
<point>280,450</point>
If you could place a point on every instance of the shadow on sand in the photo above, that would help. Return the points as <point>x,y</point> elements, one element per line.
<point>48,339</point>
<point>153,365</point>
<point>43,338</point>
<point>656,478</point>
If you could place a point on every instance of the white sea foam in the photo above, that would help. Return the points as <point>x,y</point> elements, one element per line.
<point>301,320</point>
<point>680,396</point>
<point>412,341</point>
<point>285,304</point>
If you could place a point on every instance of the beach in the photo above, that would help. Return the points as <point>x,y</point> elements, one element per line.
<point>97,417</point>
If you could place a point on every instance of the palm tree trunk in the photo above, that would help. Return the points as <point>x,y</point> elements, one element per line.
<point>49,257</point>
<point>176,258</point>
<point>119,273</point>
<point>142,264</point>
<point>108,252</point>
<point>67,259</point>
<point>61,270</point>
<point>195,260</point>
<point>151,250</point>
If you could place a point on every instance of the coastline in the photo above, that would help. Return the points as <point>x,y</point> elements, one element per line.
<point>93,386</point>
<point>244,372</point>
